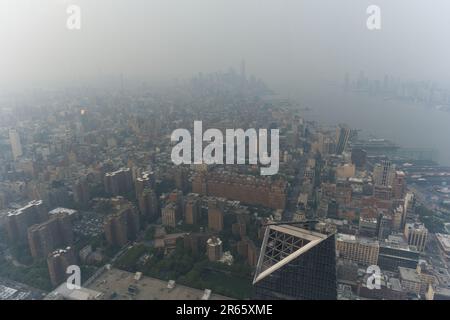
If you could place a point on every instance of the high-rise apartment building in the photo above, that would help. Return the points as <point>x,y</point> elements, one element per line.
<point>145,181</point>
<point>181,178</point>
<point>18,221</point>
<point>148,205</point>
<point>169,215</point>
<point>214,249</point>
<point>54,233</point>
<point>81,192</point>
<point>121,226</point>
<point>57,262</point>
<point>192,209</point>
<point>176,197</point>
<point>119,182</point>
<point>215,216</point>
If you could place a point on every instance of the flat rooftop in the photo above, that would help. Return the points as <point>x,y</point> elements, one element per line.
<point>444,240</point>
<point>11,290</point>
<point>351,238</point>
<point>64,293</point>
<point>30,204</point>
<point>115,284</point>
<point>409,274</point>
<point>62,210</point>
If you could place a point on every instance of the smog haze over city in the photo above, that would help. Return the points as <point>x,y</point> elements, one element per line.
<point>285,42</point>
<point>224,150</point>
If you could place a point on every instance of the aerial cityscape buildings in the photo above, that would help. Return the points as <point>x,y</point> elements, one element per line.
<point>97,189</point>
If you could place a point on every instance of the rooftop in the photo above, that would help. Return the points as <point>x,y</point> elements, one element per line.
<point>409,274</point>
<point>116,284</point>
<point>444,240</point>
<point>21,210</point>
<point>64,293</point>
<point>352,238</point>
<point>11,290</point>
<point>62,210</point>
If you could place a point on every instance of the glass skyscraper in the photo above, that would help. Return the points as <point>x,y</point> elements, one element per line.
<point>296,264</point>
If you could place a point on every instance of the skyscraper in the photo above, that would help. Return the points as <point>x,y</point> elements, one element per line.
<point>399,185</point>
<point>145,181</point>
<point>57,263</point>
<point>342,136</point>
<point>122,226</point>
<point>417,235</point>
<point>384,225</point>
<point>119,182</point>
<point>215,216</point>
<point>384,173</point>
<point>54,233</point>
<point>81,192</point>
<point>148,205</point>
<point>192,210</point>
<point>296,264</point>
<point>16,146</point>
<point>169,215</point>
<point>18,221</point>
<point>214,249</point>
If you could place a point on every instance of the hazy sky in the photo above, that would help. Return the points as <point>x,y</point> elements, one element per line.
<point>282,41</point>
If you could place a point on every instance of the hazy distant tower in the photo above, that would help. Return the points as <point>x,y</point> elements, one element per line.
<point>342,137</point>
<point>243,72</point>
<point>346,81</point>
<point>16,146</point>
<point>384,173</point>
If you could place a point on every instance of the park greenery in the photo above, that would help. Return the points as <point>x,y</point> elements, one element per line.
<point>35,275</point>
<point>190,269</point>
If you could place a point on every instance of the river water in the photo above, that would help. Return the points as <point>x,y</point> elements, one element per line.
<point>408,124</point>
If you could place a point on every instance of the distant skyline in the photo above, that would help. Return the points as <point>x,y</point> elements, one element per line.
<point>288,43</point>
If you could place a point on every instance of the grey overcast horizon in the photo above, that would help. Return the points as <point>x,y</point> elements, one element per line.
<point>287,43</point>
